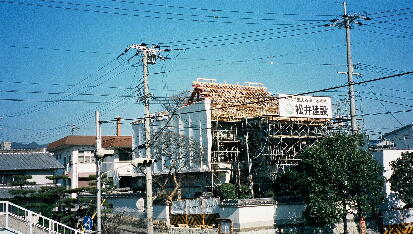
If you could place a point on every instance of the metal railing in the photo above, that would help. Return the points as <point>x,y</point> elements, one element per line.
<point>21,220</point>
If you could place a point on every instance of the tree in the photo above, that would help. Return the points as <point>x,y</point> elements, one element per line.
<point>402,178</point>
<point>55,201</point>
<point>177,154</point>
<point>336,177</point>
<point>21,194</point>
<point>227,191</point>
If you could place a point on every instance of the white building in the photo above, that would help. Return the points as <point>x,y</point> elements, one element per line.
<point>225,132</point>
<point>76,153</point>
<point>400,140</point>
<point>384,158</point>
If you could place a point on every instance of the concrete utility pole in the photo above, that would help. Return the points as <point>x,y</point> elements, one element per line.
<point>149,56</point>
<point>346,22</point>
<point>149,208</point>
<point>98,173</point>
<point>350,73</point>
<point>100,153</point>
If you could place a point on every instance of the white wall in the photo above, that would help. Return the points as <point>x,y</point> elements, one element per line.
<point>40,177</point>
<point>193,122</point>
<point>384,158</point>
<point>262,216</point>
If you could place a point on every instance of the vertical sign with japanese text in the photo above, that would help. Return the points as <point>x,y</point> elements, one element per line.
<point>305,106</point>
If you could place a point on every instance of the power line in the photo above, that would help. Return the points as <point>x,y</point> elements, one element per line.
<point>173,16</point>
<point>51,102</point>
<point>381,103</point>
<point>265,99</point>
<point>387,112</point>
<point>217,10</point>
<point>247,103</point>
<point>57,49</point>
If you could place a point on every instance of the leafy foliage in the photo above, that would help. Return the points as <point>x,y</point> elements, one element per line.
<point>55,201</point>
<point>22,180</point>
<point>402,178</point>
<point>244,192</point>
<point>177,153</point>
<point>227,191</point>
<point>335,177</point>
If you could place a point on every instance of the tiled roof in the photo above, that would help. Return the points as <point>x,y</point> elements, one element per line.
<point>28,161</point>
<point>234,101</point>
<point>107,142</point>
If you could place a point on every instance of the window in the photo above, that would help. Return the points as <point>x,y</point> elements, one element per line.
<point>81,159</point>
<point>86,158</point>
<point>125,156</point>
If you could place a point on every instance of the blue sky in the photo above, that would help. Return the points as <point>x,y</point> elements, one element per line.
<point>66,50</point>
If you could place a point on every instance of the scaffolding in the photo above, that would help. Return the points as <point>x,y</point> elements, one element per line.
<point>272,141</point>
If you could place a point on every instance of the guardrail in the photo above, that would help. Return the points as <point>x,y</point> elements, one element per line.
<point>21,220</point>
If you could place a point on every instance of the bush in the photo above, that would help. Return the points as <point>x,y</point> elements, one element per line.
<point>244,192</point>
<point>227,191</point>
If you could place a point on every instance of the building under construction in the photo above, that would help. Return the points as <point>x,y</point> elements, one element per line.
<point>245,135</point>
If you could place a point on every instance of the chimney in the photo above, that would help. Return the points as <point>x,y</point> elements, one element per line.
<point>118,125</point>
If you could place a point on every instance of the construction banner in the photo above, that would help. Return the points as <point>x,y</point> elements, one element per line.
<point>194,220</point>
<point>398,228</point>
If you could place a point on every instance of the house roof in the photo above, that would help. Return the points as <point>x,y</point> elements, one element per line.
<point>398,130</point>
<point>107,142</point>
<point>28,161</point>
<point>232,102</point>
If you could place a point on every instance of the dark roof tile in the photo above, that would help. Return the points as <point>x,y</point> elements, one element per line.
<point>28,161</point>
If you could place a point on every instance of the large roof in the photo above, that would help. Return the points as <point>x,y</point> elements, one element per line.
<point>233,102</point>
<point>394,132</point>
<point>107,142</point>
<point>28,161</point>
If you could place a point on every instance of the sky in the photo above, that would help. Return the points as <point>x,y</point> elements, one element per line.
<point>59,60</point>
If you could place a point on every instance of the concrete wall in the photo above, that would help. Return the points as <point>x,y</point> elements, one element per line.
<point>246,219</point>
<point>126,205</point>
<point>263,216</point>
<point>40,177</point>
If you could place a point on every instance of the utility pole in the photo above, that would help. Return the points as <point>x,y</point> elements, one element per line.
<point>149,56</point>
<point>350,73</point>
<point>347,21</point>
<point>148,169</point>
<point>100,153</point>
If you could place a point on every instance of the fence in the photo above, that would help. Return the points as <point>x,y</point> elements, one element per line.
<point>18,219</point>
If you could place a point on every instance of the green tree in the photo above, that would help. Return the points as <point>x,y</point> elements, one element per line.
<point>21,194</point>
<point>402,178</point>
<point>227,191</point>
<point>55,201</point>
<point>336,177</point>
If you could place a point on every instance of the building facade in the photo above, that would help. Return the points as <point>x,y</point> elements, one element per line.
<point>232,133</point>
<point>37,165</point>
<point>401,138</point>
<point>389,149</point>
<point>77,154</point>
